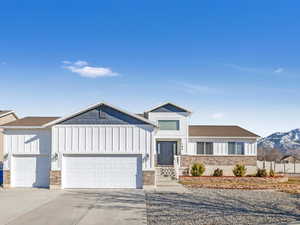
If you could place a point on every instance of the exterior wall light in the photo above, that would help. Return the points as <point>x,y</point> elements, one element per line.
<point>5,157</point>
<point>54,157</point>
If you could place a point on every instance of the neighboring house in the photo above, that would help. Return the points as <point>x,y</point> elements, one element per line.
<point>6,116</point>
<point>103,146</point>
<point>290,159</point>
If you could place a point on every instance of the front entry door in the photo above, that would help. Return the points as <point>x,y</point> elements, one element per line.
<point>165,152</point>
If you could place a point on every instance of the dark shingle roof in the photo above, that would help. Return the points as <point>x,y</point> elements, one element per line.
<point>30,121</point>
<point>219,131</point>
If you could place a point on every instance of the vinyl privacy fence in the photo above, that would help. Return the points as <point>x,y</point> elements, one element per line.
<point>279,167</point>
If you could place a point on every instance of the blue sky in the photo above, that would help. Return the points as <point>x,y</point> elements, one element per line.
<point>230,62</point>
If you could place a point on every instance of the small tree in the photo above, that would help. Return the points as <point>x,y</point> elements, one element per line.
<point>218,173</point>
<point>261,173</point>
<point>272,173</point>
<point>197,169</point>
<point>239,170</point>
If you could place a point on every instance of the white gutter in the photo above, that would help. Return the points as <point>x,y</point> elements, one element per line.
<point>222,137</point>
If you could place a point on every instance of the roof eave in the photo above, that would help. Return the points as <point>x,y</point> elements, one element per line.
<point>93,106</point>
<point>165,103</point>
<point>9,112</point>
<point>22,127</point>
<point>235,137</point>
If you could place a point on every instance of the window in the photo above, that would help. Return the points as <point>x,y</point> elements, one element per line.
<point>168,124</point>
<point>236,148</point>
<point>205,148</point>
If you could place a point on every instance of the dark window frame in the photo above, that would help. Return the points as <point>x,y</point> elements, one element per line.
<point>236,150</point>
<point>206,150</point>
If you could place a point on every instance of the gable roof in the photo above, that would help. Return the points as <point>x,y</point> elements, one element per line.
<point>29,122</point>
<point>59,120</point>
<point>168,103</point>
<point>7,112</point>
<point>220,131</point>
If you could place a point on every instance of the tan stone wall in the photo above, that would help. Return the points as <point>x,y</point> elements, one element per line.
<point>5,119</point>
<point>55,179</point>
<point>257,180</point>
<point>226,163</point>
<point>188,160</point>
<point>6,178</point>
<point>149,177</point>
<point>209,170</point>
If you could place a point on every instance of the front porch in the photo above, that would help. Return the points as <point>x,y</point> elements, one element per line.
<point>166,159</point>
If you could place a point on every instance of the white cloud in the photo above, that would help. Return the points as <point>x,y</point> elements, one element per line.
<point>81,63</point>
<point>254,70</point>
<point>278,70</point>
<point>66,62</point>
<point>81,67</point>
<point>217,115</point>
<point>93,72</point>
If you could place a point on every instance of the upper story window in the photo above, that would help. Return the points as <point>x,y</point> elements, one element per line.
<point>205,148</point>
<point>168,124</point>
<point>236,148</point>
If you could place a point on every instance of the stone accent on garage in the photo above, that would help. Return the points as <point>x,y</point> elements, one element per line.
<point>6,178</point>
<point>212,160</point>
<point>55,179</point>
<point>149,177</point>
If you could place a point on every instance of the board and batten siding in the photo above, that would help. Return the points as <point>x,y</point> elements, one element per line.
<point>221,146</point>
<point>31,141</point>
<point>103,139</point>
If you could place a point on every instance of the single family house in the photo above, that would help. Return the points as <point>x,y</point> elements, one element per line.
<point>103,146</point>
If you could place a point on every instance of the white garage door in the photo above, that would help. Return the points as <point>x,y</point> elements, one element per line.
<point>102,171</point>
<point>30,171</point>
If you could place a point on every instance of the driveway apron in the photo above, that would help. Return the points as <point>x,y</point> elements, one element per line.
<point>89,207</point>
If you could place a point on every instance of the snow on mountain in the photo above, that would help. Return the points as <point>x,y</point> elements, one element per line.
<point>286,142</point>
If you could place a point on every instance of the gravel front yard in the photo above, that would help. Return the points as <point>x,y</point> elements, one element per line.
<point>220,207</point>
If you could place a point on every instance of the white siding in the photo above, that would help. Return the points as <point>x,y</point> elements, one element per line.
<point>26,142</point>
<point>221,145</point>
<point>180,135</point>
<point>86,139</point>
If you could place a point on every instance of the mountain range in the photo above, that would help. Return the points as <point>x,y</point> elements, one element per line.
<point>285,142</point>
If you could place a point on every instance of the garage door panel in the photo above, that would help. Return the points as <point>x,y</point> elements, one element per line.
<point>102,171</point>
<point>30,171</point>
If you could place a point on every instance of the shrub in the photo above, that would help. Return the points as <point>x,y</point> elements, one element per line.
<point>197,169</point>
<point>272,173</point>
<point>261,173</point>
<point>218,173</point>
<point>239,170</point>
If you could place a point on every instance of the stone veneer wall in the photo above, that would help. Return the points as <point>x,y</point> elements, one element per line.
<point>55,179</point>
<point>149,177</point>
<point>6,178</point>
<point>226,163</point>
<point>256,180</point>
<point>188,160</point>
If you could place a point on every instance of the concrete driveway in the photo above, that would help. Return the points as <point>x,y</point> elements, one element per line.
<point>66,207</point>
